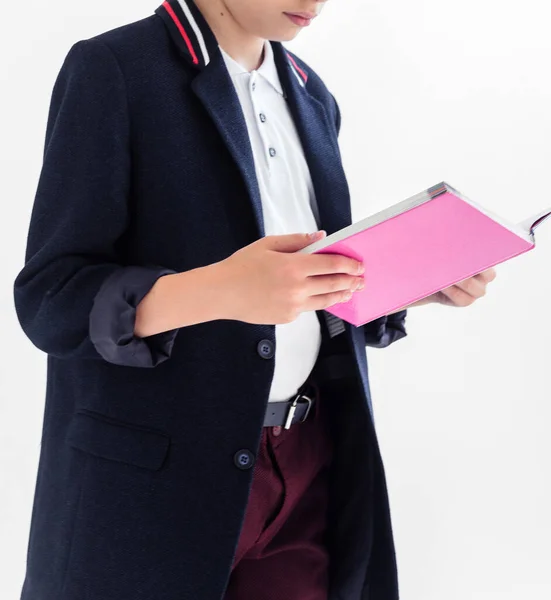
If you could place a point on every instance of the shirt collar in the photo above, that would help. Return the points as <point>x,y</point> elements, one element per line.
<point>268,68</point>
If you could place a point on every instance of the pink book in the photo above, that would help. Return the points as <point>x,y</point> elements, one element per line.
<point>420,246</point>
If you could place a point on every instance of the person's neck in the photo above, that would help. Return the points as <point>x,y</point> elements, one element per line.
<point>244,48</point>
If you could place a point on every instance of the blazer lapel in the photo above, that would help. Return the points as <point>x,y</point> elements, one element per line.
<point>214,88</point>
<point>319,143</point>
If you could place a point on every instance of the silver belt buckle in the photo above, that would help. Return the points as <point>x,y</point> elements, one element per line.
<point>293,408</point>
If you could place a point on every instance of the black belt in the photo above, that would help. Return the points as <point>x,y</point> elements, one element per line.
<point>297,408</point>
<point>294,410</point>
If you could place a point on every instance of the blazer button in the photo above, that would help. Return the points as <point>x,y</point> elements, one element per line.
<point>243,459</point>
<point>265,348</point>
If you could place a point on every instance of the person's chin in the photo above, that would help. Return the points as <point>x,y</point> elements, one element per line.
<point>292,35</point>
<point>286,36</point>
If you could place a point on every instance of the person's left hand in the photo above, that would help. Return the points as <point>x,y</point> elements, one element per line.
<point>463,293</point>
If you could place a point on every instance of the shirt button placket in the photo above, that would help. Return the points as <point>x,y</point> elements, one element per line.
<point>262,116</point>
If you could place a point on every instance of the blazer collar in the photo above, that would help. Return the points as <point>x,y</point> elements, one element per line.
<point>196,41</point>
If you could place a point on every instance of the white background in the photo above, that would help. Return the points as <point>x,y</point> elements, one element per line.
<point>429,91</point>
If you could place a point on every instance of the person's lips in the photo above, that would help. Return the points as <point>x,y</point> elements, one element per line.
<point>301,19</point>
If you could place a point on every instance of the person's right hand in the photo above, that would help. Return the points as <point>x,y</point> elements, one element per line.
<point>267,282</point>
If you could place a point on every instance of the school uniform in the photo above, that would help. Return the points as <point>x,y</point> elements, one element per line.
<point>149,445</point>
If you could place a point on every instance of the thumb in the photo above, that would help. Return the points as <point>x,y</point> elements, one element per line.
<point>293,241</point>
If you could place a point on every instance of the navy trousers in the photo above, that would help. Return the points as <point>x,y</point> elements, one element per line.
<point>282,550</point>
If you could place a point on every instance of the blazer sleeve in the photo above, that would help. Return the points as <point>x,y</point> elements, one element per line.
<point>74,296</point>
<point>388,329</point>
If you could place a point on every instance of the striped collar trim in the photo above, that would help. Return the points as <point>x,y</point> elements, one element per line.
<point>189,30</point>
<point>196,40</point>
<point>299,73</point>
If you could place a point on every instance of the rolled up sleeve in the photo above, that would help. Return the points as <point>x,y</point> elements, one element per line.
<point>113,317</point>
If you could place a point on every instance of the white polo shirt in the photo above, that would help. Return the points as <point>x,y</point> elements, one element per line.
<point>288,203</point>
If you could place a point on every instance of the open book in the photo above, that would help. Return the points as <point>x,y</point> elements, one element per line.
<point>420,246</point>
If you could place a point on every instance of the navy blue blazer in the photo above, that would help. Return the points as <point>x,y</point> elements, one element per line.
<point>147,171</point>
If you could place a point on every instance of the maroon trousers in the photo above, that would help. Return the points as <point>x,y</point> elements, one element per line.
<point>282,551</point>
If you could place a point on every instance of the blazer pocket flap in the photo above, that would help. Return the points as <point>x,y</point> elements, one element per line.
<point>123,442</point>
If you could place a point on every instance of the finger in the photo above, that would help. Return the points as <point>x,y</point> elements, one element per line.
<point>324,264</point>
<point>457,297</point>
<point>326,284</point>
<point>323,301</point>
<point>441,298</point>
<point>291,242</point>
<point>473,286</point>
<point>487,276</point>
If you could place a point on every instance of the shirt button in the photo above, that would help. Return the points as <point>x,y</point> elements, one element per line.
<point>265,348</point>
<point>243,459</point>
<point>262,117</point>
<point>272,152</point>
<point>253,86</point>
